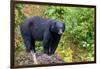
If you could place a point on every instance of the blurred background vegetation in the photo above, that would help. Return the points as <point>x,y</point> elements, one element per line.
<point>77,42</point>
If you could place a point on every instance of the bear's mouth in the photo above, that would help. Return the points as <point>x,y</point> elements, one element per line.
<point>60,31</point>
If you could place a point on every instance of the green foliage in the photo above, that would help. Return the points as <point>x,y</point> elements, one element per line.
<point>19,16</point>
<point>19,45</point>
<point>79,28</point>
<point>39,46</point>
<point>55,12</point>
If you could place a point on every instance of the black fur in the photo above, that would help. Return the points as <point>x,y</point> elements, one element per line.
<point>39,29</point>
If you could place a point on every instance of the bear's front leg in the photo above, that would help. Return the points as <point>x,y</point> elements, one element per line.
<point>34,57</point>
<point>54,45</point>
<point>46,39</point>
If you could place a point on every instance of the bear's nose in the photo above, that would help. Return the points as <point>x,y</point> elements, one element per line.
<point>60,31</point>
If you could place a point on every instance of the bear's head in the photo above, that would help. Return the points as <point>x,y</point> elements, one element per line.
<point>57,27</point>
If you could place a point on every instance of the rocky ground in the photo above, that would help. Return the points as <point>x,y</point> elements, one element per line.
<point>25,59</point>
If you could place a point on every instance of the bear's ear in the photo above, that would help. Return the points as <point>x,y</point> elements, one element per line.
<point>53,25</point>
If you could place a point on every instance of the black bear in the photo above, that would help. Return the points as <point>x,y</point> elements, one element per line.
<point>37,28</point>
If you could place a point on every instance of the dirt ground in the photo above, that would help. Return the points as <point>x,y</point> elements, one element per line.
<point>25,59</point>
